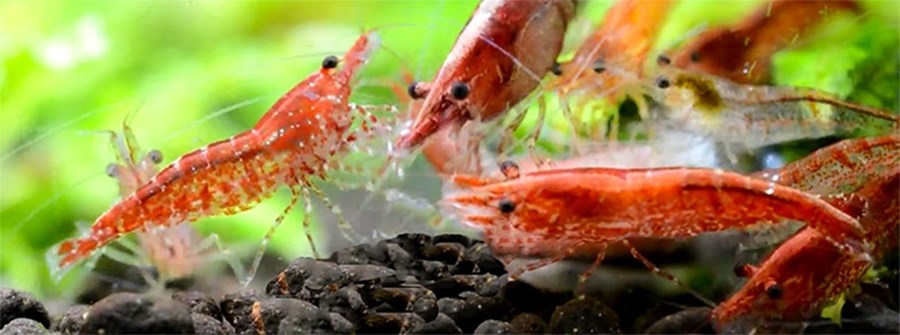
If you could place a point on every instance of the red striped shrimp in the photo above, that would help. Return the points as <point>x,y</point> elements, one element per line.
<point>291,144</point>
<point>599,205</point>
<point>497,60</point>
<point>749,117</point>
<point>804,273</point>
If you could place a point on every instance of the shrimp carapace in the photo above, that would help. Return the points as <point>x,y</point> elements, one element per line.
<point>290,144</point>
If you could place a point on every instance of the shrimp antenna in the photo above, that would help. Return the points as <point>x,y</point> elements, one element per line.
<point>131,146</point>
<point>213,115</point>
<point>47,133</point>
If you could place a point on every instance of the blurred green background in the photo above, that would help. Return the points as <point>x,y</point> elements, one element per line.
<point>71,68</point>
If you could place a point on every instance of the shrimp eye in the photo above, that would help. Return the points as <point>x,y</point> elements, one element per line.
<point>663,60</point>
<point>413,93</point>
<point>509,169</point>
<point>506,206</point>
<point>663,82</point>
<point>742,270</point>
<point>598,66</point>
<point>556,69</point>
<point>695,56</point>
<point>774,291</point>
<point>459,90</point>
<point>112,170</point>
<point>155,156</point>
<point>330,62</point>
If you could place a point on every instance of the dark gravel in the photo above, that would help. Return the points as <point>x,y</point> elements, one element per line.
<point>416,284</point>
<point>15,305</point>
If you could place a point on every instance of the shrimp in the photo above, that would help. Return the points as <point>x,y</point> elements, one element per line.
<point>805,272</point>
<point>498,59</point>
<point>743,53</point>
<point>595,205</point>
<point>624,40</point>
<point>175,251</point>
<point>289,145</point>
<point>750,116</point>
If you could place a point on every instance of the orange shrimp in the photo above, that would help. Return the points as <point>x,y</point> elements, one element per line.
<point>610,63</point>
<point>594,205</point>
<point>743,53</point>
<point>806,271</point>
<point>498,59</point>
<point>291,143</point>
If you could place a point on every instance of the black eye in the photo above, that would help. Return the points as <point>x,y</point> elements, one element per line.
<point>155,156</point>
<point>506,206</point>
<point>506,165</point>
<point>742,270</point>
<point>695,56</point>
<point>599,67</point>
<point>663,82</point>
<point>509,169</point>
<point>459,90</point>
<point>112,170</point>
<point>663,60</point>
<point>556,69</point>
<point>774,291</point>
<point>330,62</point>
<point>413,93</point>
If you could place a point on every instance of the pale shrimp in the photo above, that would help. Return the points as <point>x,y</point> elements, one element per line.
<point>176,251</point>
<point>291,144</point>
<point>749,117</point>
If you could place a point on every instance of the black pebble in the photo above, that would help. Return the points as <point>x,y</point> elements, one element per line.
<point>479,259</point>
<point>584,316</point>
<point>448,253</point>
<point>347,301</point>
<point>15,304</point>
<point>306,278</point>
<point>367,274</point>
<point>426,307</point>
<point>360,254</point>
<point>274,310</point>
<point>72,320</point>
<point>310,320</point>
<point>199,303</point>
<point>391,323</point>
<point>492,327</point>
<point>122,313</point>
<point>442,324</point>
<point>205,324</point>
<point>527,323</point>
<point>413,243</point>
<point>237,309</point>
<point>23,326</point>
<point>452,238</point>
<point>694,320</point>
<point>471,312</point>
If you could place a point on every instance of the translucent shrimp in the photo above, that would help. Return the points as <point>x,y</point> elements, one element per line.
<point>749,117</point>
